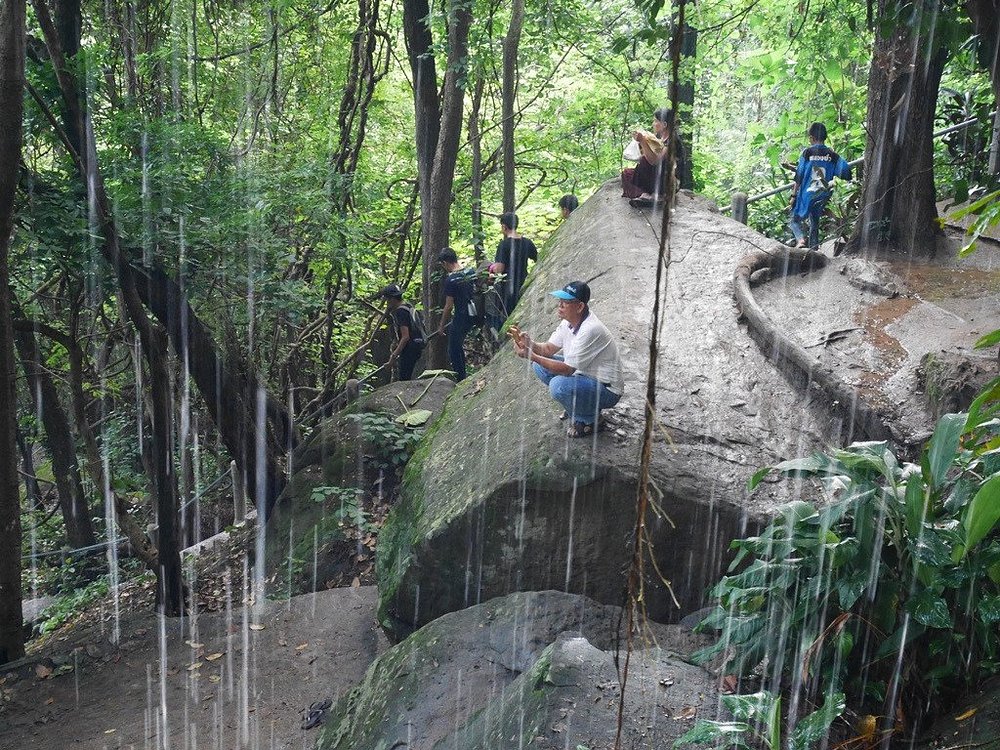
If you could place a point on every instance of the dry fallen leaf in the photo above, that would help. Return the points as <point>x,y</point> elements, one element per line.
<point>50,701</point>
<point>192,644</point>
<point>688,712</point>
<point>256,626</point>
<point>302,646</point>
<point>213,657</point>
<point>356,583</point>
<point>110,731</point>
<point>194,666</point>
<point>214,678</point>
<point>966,715</point>
<point>42,671</point>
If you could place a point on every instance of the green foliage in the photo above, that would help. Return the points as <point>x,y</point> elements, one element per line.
<point>67,606</point>
<point>892,560</point>
<point>393,442</point>
<point>349,511</point>
<point>757,723</point>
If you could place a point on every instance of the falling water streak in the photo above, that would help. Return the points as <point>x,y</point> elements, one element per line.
<point>569,546</point>
<point>260,500</point>
<point>227,579</point>
<point>315,569</point>
<point>150,712</point>
<point>161,622</point>
<point>245,664</point>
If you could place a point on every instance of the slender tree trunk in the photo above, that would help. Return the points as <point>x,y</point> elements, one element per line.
<point>436,229</point>
<point>898,199</point>
<point>12,42</point>
<point>426,105</point>
<point>65,470</point>
<point>511,42</point>
<point>476,178</point>
<point>31,488</point>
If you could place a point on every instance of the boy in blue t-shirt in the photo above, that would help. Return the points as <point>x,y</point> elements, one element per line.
<point>818,165</point>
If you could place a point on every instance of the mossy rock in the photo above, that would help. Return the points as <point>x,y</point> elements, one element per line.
<point>304,542</point>
<point>498,499</point>
<point>440,679</point>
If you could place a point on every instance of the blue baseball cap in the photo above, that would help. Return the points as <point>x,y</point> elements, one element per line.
<point>577,291</point>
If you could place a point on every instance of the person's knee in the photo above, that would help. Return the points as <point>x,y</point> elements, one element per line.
<point>560,387</point>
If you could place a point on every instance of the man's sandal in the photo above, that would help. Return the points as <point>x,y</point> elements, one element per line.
<point>579,430</point>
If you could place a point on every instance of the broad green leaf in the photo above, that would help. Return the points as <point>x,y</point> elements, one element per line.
<point>774,724</point>
<point>983,512</point>
<point>816,725</point>
<point>900,639</point>
<point>758,477</point>
<point>705,732</point>
<point>988,609</point>
<point>929,609</point>
<point>989,339</point>
<point>414,417</point>
<point>750,706</point>
<point>944,447</point>
<point>915,504</point>
<point>984,405</point>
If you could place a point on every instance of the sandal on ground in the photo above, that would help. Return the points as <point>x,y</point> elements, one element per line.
<point>564,416</point>
<point>642,202</point>
<point>579,430</point>
<point>316,714</point>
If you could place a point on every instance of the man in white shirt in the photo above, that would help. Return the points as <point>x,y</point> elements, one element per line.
<point>580,362</point>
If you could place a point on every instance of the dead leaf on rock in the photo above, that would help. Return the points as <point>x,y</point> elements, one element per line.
<point>356,583</point>
<point>213,657</point>
<point>214,678</point>
<point>194,666</point>
<point>256,626</point>
<point>192,644</point>
<point>688,712</point>
<point>302,646</point>
<point>50,701</point>
<point>966,715</point>
<point>42,671</point>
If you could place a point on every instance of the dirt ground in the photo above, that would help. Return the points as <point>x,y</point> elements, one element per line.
<point>235,678</point>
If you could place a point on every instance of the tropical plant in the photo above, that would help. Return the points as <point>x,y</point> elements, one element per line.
<point>887,584</point>
<point>756,722</point>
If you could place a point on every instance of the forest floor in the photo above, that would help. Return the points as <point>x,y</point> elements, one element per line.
<point>223,676</point>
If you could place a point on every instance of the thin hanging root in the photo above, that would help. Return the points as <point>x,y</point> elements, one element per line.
<point>660,575</point>
<point>658,509</point>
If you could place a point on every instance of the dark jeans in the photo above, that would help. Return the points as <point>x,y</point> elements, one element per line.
<point>458,329</point>
<point>814,216</point>
<point>408,358</point>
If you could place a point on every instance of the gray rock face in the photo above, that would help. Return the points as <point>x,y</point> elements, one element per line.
<point>499,499</point>
<point>302,535</point>
<point>536,664</point>
<point>872,276</point>
<point>974,723</point>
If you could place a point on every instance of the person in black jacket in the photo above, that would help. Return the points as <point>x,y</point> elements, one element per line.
<point>411,342</point>
<point>513,254</point>
<point>459,288</point>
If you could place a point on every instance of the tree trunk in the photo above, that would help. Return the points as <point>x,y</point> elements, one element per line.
<point>426,106</point>
<point>898,206</point>
<point>510,47</point>
<point>985,15</point>
<point>12,42</point>
<point>62,451</point>
<point>32,490</point>
<point>436,228</point>
<point>476,178</point>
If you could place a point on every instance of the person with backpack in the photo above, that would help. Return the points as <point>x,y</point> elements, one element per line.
<point>409,331</point>
<point>513,254</point>
<point>459,292</point>
<point>817,167</point>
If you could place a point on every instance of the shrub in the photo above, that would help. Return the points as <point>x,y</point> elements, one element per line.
<point>887,584</point>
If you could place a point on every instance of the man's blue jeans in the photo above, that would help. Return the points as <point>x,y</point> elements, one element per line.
<point>582,397</point>
<point>797,224</point>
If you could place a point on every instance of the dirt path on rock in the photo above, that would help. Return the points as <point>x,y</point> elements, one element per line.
<point>221,681</point>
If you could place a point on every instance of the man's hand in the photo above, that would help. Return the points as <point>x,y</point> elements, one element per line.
<point>521,351</point>
<point>440,331</point>
<point>392,359</point>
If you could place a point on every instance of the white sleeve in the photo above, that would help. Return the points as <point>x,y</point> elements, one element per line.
<point>558,336</point>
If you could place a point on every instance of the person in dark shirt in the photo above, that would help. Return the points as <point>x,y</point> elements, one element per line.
<point>411,342</point>
<point>459,286</point>
<point>817,167</point>
<point>513,254</point>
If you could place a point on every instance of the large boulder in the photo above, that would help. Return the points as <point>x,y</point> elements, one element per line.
<point>498,499</point>
<point>538,665</point>
<point>304,542</point>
